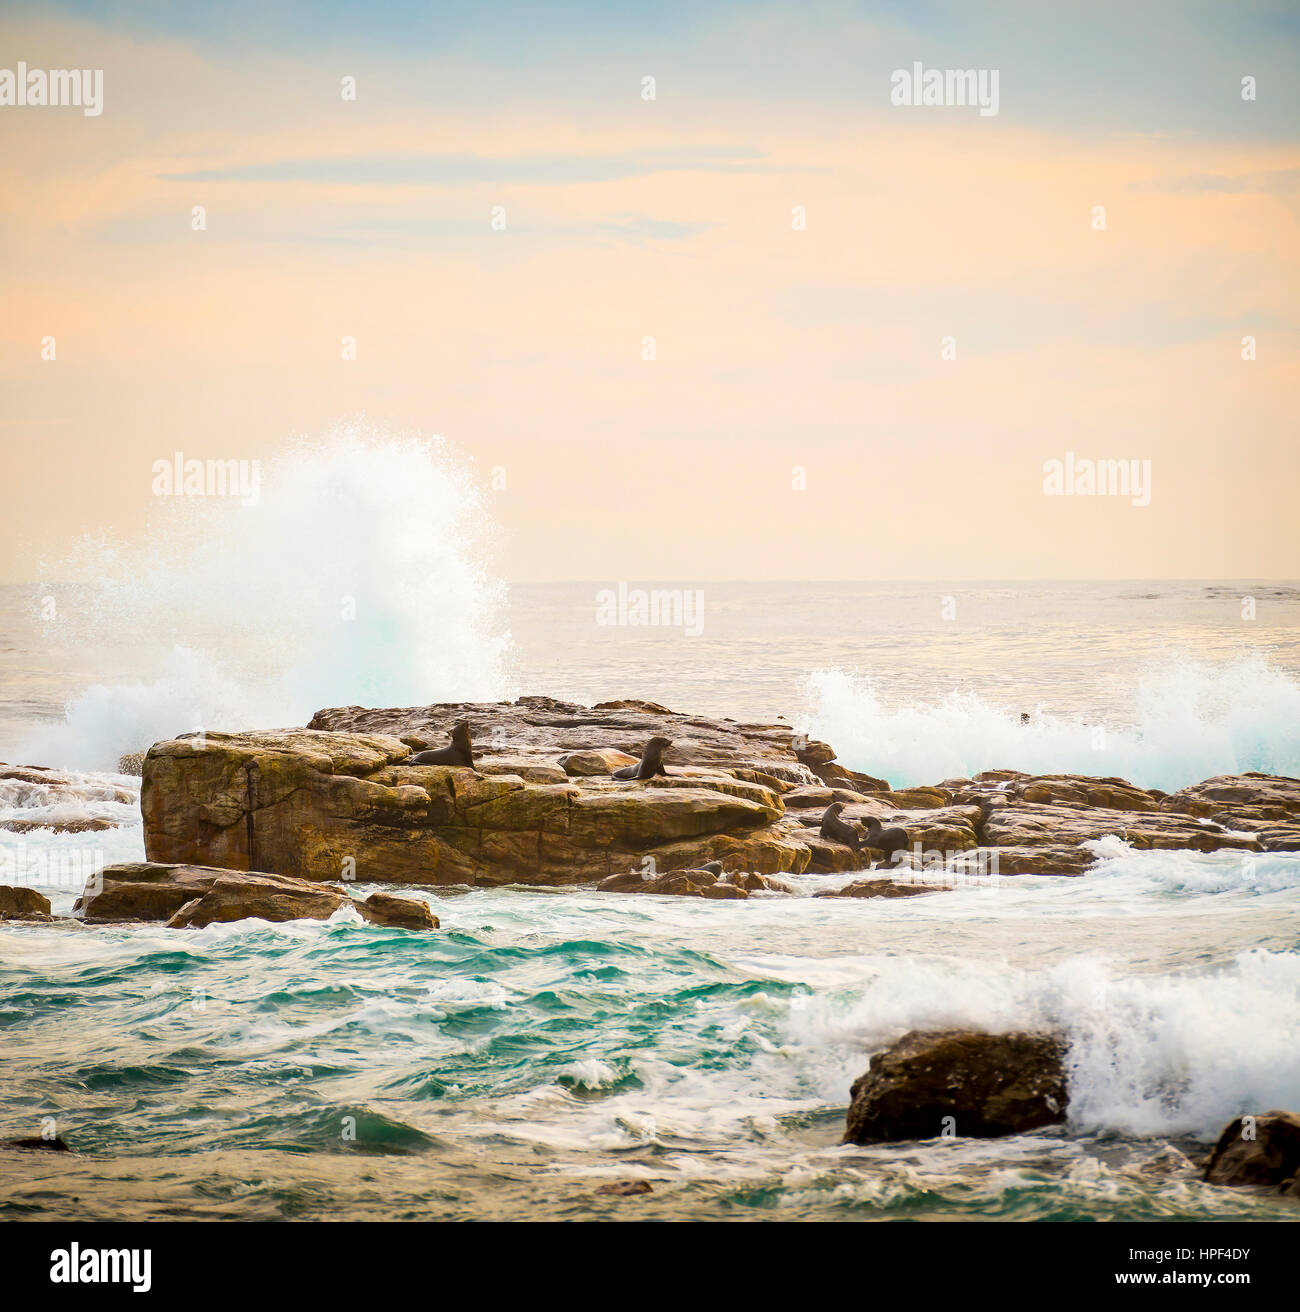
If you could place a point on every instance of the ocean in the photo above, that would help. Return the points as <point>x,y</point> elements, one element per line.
<point>545,1042</point>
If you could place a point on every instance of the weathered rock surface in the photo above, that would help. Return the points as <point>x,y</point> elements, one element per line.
<point>187,895</point>
<point>988,1084</point>
<point>144,890</point>
<point>1238,797</point>
<point>546,729</point>
<point>595,760</point>
<point>1258,1150</point>
<point>20,903</point>
<point>1027,824</point>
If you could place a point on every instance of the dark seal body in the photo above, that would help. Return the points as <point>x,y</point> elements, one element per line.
<point>887,841</point>
<point>651,762</point>
<point>461,751</point>
<point>837,830</point>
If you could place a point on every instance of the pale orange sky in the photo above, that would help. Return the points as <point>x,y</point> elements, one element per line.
<point>776,347</point>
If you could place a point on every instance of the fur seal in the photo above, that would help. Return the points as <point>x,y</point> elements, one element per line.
<point>887,841</point>
<point>651,762</point>
<point>837,830</point>
<point>461,751</point>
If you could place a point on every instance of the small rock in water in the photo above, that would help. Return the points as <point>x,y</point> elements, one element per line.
<point>1258,1150</point>
<point>881,888</point>
<point>399,912</point>
<point>626,1188</point>
<point>935,1083</point>
<point>20,903</point>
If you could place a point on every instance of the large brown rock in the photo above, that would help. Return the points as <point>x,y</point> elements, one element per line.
<point>1259,1150</point>
<point>959,1082</point>
<point>326,806</point>
<point>20,903</point>
<point>143,890</point>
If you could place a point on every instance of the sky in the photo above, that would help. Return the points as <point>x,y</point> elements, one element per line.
<point>873,324</point>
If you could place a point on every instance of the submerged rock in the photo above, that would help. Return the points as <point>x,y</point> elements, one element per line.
<point>882,888</point>
<point>626,1188</point>
<point>709,882</point>
<point>37,1144</point>
<point>21,903</point>
<point>1258,1150</point>
<point>959,1082</point>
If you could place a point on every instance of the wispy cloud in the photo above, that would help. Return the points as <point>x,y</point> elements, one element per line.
<point>470,170</point>
<point>1274,182</point>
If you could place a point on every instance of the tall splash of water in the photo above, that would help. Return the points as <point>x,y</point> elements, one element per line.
<point>358,576</point>
<point>1188,722</point>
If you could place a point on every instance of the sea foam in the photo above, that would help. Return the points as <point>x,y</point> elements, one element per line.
<point>1187,722</point>
<point>359,577</point>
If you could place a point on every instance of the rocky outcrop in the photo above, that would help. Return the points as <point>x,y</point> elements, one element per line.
<point>959,1082</point>
<point>19,903</point>
<point>325,806</point>
<point>1027,824</point>
<point>340,800</point>
<point>186,896</point>
<point>1258,1150</point>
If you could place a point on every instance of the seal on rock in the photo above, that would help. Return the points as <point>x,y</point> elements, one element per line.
<point>883,840</point>
<point>461,751</point>
<point>837,830</point>
<point>651,762</point>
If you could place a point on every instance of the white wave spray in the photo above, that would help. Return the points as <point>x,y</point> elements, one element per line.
<point>1189,721</point>
<point>357,578</point>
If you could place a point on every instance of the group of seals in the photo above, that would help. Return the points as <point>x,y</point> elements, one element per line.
<point>877,837</point>
<point>461,752</point>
